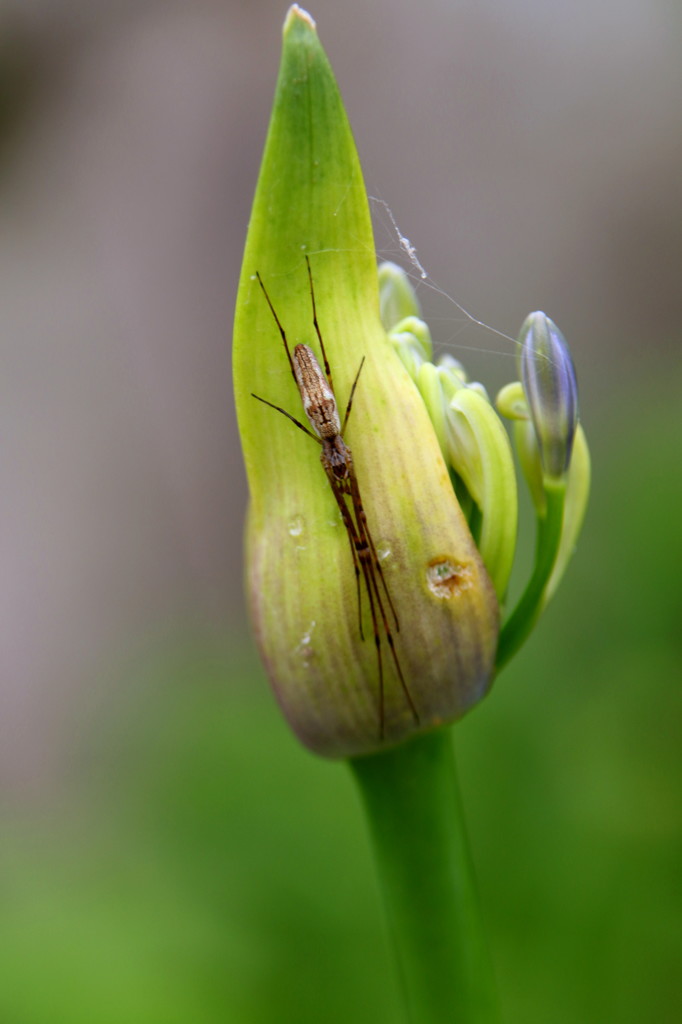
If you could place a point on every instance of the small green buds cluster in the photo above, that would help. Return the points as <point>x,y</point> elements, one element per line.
<point>473,440</point>
<point>550,444</point>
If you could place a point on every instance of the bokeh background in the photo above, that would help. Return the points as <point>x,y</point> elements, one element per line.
<point>168,854</point>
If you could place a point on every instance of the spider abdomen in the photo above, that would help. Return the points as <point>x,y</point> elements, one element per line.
<point>318,399</point>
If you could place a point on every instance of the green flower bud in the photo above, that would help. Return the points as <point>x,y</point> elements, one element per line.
<point>402,544</point>
<point>405,345</point>
<point>544,410</point>
<point>397,297</point>
<point>453,368</point>
<point>430,387</point>
<point>480,452</point>
<point>551,389</point>
<point>411,339</point>
<point>526,444</point>
<point>577,494</point>
<point>511,402</point>
<point>417,332</point>
<point>476,447</point>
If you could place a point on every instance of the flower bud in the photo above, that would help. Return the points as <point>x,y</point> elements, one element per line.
<point>374,614</point>
<point>480,452</point>
<point>560,502</point>
<point>453,367</point>
<point>551,389</point>
<point>411,339</point>
<point>476,448</point>
<point>397,297</point>
<point>577,493</point>
<point>511,402</point>
<point>431,389</point>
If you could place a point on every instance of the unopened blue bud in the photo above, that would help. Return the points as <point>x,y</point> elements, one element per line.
<point>551,389</point>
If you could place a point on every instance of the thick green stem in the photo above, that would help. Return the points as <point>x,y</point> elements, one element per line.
<point>415,815</point>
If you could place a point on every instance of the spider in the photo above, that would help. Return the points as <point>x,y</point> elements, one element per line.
<point>319,404</point>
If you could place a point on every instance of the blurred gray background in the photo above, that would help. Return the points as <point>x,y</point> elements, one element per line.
<point>530,150</point>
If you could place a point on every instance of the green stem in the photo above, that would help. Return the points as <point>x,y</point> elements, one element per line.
<point>521,621</point>
<point>415,815</point>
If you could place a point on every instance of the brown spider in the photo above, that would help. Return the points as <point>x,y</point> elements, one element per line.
<point>320,407</point>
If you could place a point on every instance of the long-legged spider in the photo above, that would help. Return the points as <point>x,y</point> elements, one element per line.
<point>320,407</point>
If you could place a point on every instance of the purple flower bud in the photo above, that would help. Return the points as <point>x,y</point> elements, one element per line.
<point>551,390</point>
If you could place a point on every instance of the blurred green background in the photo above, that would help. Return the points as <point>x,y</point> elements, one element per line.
<point>168,853</point>
<point>204,867</point>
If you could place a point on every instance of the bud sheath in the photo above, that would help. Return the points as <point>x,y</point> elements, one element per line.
<point>310,201</point>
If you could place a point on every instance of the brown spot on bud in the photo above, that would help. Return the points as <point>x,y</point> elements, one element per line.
<point>445,577</point>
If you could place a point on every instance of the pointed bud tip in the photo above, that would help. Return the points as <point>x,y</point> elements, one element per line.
<point>296,13</point>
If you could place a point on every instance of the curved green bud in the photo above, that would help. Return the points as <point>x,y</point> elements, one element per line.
<point>480,453</point>
<point>475,444</point>
<point>560,503</point>
<point>397,297</point>
<point>452,374</point>
<point>526,444</point>
<point>310,200</point>
<point>418,333</point>
<point>430,388</point>
<point>511,402</point>
<point>411,339</point>
<point>551,389</point>
<point>406,346</point>
<point>577,494</point>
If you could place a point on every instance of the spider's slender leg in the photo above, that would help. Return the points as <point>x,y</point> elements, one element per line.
<point>377,642</point>
<point>316,325</point>
<point>372,594</point>
<point>352,536</point>
<point>337,461</point>
<point>288,415</point>
<point>280,328</point>
<point>350,397</point>
<point>362,517</point>
<point>369,555</point>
